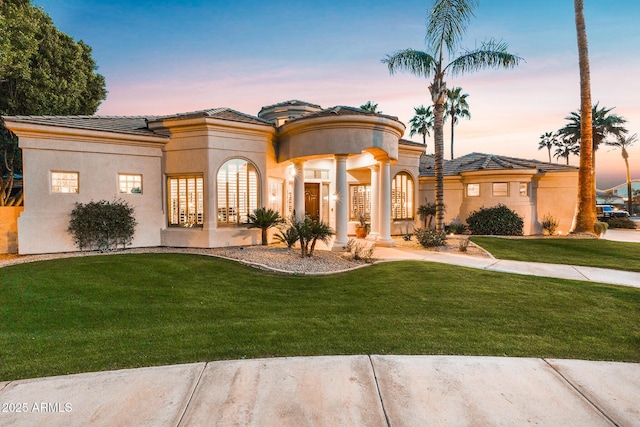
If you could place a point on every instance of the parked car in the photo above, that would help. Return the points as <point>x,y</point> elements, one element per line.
<point>608,211</point>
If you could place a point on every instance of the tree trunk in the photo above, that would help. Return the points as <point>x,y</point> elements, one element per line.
<point>453,122</point>
<point>438,91</point>
<point>265,239</point>
<point>625,156</point>
<point>586,211</point>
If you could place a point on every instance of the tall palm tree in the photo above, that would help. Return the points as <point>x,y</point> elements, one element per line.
<point>422,122</point>
<point>603,124</point>
<point>456,106</point>
<point>623,142</point>
<point>548,140</point>
<point>370,106</point>
<point>565,147</point>
<point>447,24</point>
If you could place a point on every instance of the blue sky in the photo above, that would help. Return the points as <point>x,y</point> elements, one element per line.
<point>165,57</point>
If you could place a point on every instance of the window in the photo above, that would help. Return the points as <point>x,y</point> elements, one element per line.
<point>500,189</point>
<point>276,197</point>
<point>473,190</point>
<point>64,182</point>
<point>130,184</point>
<point>402,196</point>
<point>360,201</point>
<point>186,201</point>
<point>237,191</point>
<point>524,189</point>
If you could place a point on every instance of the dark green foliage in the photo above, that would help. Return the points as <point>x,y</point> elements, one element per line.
<point>305,231</point>
<point>287,235</point>
<point>430,238</point>
<point>102,225</point>
<point>457,228</point>
<point>264,219</point>
<point>426,213</point>
<point>621,223</point>
<point>495,221</point>
<point>42,71</point>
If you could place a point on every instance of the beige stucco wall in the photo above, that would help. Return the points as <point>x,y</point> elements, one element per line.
<point>9,229</point>
<point>201,146</point>
<point>552,192</point>
<point>98,159</point>
<point>408,161</point>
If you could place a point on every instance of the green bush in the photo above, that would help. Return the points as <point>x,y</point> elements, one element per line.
<point>457,228</point>
<point>498,221</point>
<point>430,238</point>
<point>621,223</point>
<point>102,225</point>
<point>600,227</point>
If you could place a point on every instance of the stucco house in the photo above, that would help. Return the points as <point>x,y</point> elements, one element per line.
<point>193,178</point>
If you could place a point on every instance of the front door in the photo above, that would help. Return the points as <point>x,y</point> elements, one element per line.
<point>312,200</point>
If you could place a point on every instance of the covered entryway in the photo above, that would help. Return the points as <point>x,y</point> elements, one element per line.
<point>312,200</point>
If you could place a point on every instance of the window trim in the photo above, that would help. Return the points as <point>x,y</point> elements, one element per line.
<point>77,182</point>
<point>130,175</point>
<point>198,223</point>
<point>500,193</point>
<point>409,198</point>
<point>475,185</point>
<point>250,205</point>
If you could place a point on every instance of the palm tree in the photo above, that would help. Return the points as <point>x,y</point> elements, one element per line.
<point>456,106</point>
<point>446,25</point>
<point>603,125</point>
<point>623,142</point>
<point>422,122</point>
<point>548,140</point>
<point>370,106</point>
<point>565,147</point>
<point>264,219</point>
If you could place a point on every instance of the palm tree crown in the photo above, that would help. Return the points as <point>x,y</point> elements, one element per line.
<point>456,106</point>
<point>565,147</point>
<point>622,143</point>
<point>370,106</point>
<point>422,122</point>
<point>548,140</point>
<point>447,24</point>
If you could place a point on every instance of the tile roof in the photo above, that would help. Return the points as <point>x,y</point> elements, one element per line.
<point>480,161</point>
<point>218,113</point>
<point>291,102</point>
<point>342,110</point>
<point>136,125</point>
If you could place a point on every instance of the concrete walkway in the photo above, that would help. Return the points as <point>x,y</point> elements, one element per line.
<point>562,271</point>
<point>336,391</point>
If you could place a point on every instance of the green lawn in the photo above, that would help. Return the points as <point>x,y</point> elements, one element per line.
<point>586,252</point>
<point>86,314</point>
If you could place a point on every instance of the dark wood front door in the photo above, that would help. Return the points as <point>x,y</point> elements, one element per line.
<point>312,200</point>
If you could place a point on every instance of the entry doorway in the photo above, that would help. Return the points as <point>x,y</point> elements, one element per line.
<point>312,200</point>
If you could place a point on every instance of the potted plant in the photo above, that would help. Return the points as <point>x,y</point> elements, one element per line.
<point>362,229</point>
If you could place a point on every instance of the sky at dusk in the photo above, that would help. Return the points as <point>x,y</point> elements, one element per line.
<point>163,57</point>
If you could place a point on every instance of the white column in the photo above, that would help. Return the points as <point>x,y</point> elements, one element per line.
<point>375,203</point>
<point>385,204</point>
<point>298,189</point>
<point>342,202</point>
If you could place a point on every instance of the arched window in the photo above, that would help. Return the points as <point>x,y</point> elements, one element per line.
<point>238,191</point>
<point>402,196</point>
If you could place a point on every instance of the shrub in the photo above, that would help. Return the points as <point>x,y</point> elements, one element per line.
<point>621,223</point>
<point>307,232</point>
<point>600,227</point>
<point>498,220</point>
<point>430,238</point>
<point>549,225</point>
<point>288,235</point>
<point>457,228</point>
<point>463,244</point>
<point>360,251</point>
<point>102,225</point>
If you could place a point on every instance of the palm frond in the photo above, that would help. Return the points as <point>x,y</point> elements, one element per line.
<point>448,22</point>
<point>416,62</point>
<point>491,54</point>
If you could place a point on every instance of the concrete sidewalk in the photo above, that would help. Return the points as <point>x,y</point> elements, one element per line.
<point>336,391</point>
<point>562,271</point>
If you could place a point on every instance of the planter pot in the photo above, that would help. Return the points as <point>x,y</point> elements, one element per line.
<point>361,232</point>
<point>9,229</point>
